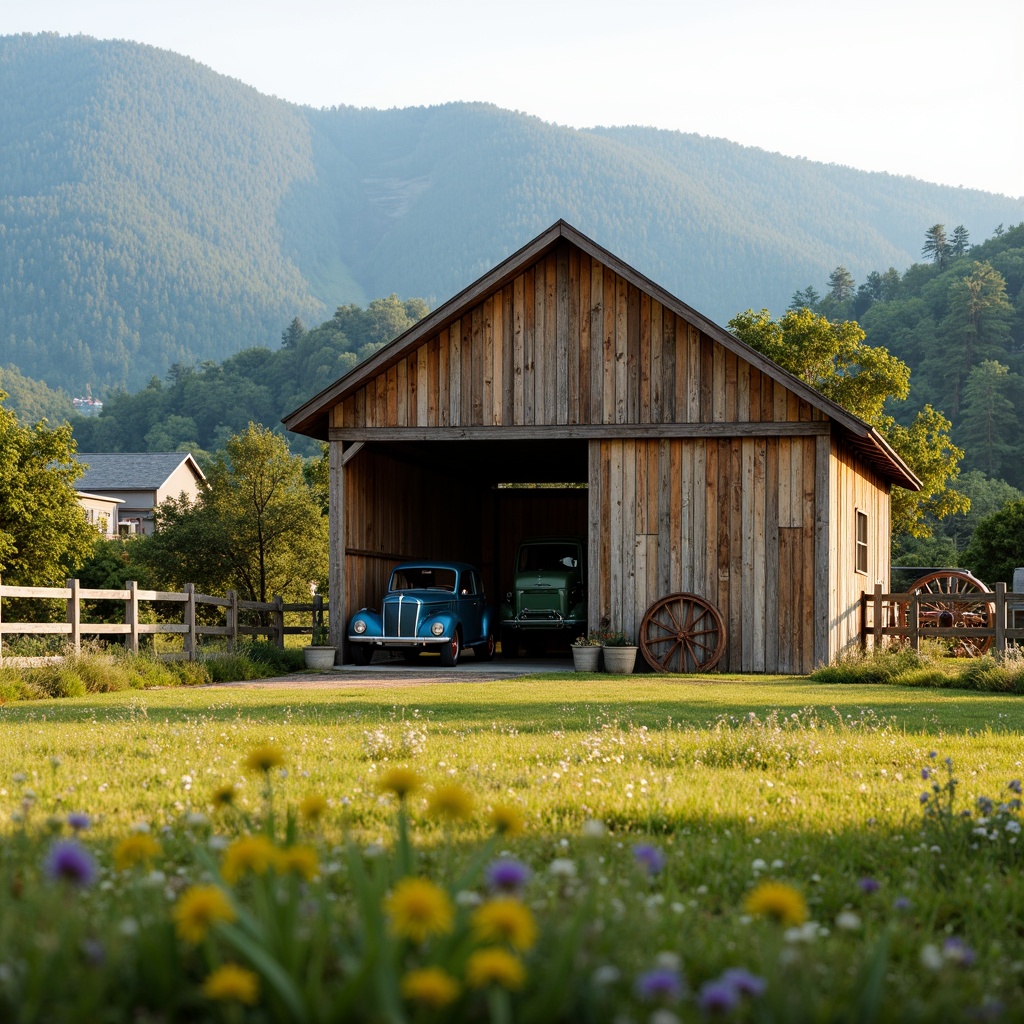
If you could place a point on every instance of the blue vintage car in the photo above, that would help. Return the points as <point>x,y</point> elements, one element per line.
<point>429,606</point>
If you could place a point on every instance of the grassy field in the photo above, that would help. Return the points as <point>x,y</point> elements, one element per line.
<point>903,906</point>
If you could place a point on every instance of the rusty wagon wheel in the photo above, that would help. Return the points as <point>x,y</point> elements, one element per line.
<point>935,610</point>
<point>682,633</point>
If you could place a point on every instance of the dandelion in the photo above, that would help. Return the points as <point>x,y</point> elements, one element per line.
<point>137,848</point>
<point>507,820</point>
<point>487,967</point>
<point>779,901</point>
<point>247,853</point>
<point>69,861</point>
<point>717,997</point>
<point>507,875</point>
<point>298,860</point>
<point>229,982</point>
<point>505,920</point>
<point>264,757</point>
<point>661,985</point>
<point>224,796</point>
<point>418,909</point>
<point>313,806</point>
<point>400,781</point>
<point>78,822</point>
<point>649,857</point>
<point>199,909</point>
<point>431,987</point>
<point>451,802</point>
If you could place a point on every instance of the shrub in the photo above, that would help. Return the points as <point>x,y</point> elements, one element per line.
<point>881,666</point>
<point>58,681</point>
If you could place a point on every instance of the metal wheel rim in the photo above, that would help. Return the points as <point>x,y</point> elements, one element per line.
<point>930,590</point>
<point>682,633</point>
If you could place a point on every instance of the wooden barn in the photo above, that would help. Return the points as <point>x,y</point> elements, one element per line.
<point>690,462</point>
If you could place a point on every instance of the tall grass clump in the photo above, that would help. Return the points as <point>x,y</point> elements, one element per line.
<point>886,665</point>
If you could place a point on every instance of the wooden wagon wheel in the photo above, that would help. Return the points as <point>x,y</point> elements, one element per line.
<point>934,610</point>
<point>682,633</point>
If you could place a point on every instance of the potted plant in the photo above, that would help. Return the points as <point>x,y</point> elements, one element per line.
<point>586,653</point>
<point>619,652</point>
<point>320,654</point>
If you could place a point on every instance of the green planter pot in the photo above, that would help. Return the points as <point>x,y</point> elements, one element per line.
<point>619,661</point>
<point>586,659</point>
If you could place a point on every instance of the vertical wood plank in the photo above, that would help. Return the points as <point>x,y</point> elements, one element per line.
<point>572,341</point>
<point>584,343</point>
<point>559,319</point>
<point>455,374</point>
<point>548,370</point>
<point>470,404</point>
<point>608,366</point>
<point>497,407</point>
<point>822,560</point>
<point>694,369</point>
<point>519,349</point>
<point>621,350</point>
<point>760,595</point>
<point>632,398</point>
<point>697,549</point>
<point>529,346</point>
<point>771,555</point>
<point>594,532</point>
<point>669,533</point>
<point>402,392</point>
<point>617,563</point>
<point>672,345</point>
<point>645,397</point>
<point>487,367</point>
<point>423,403</point>
<point>657,320</point>
<point>629,547</point>
<point>597,342</point>
<point>746,574</point>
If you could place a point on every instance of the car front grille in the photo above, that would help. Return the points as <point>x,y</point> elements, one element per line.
<point>401,617</point>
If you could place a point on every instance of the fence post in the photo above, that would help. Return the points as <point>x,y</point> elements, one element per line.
<point>913,614</point>
<point>1000,640</point>
<point>318,618</point>
<point>278,614</point>
<point>1,620</point>
<point>75,617</point>
<point>878,617</point>
<point>232,622</point>
<point>131,616</point>
<point>863,620</point>
<point>190,621</point>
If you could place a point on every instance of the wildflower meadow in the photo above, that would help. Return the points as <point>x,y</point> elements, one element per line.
<point>553,849</point>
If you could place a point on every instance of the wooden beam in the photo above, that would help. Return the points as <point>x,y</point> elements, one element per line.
<point>351,451</point>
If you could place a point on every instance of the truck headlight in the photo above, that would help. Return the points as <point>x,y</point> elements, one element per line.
<point>359,626</point>
<point>437,628</point>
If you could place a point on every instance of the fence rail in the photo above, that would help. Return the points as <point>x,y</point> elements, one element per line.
<point>271,616</point>
<point>998,626</point>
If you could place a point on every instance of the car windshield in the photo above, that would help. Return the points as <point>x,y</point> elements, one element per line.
<point>423,578</point>
<point>543,557</point>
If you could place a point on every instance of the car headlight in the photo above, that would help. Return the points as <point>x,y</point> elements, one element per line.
<point>437,628</point>
<point>359,626</point>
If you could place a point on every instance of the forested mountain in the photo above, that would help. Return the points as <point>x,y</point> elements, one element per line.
<point>153,212</point>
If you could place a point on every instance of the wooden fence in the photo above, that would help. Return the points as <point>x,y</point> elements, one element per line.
<point>980,621</point>
<point>270,616</point>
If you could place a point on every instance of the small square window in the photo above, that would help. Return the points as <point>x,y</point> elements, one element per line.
<point>861,543</point>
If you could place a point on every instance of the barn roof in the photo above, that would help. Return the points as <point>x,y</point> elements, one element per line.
<point>312,418</point>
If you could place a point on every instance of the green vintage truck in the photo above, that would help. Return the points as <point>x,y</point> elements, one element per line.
<point>548,599</point>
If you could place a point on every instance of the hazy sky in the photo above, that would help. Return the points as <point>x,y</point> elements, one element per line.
<point>929,88</point>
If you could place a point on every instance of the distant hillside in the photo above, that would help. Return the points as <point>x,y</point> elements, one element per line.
<point>153,212</point>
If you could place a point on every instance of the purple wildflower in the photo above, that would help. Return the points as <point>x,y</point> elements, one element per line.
<point>984,805</point>
<point>901,903</point>
<point>745,983</point>
<point>957,951</point>
<point>507,875</point>
<point>869,885</point>
<point>93,952</point>
<point>1014,786</point>
<point>926,773</point>
<point>71,862</point>
<point>925,798</point>
<point>661,985</point>
<point>717,997</point>
<point>78,821</point>
<point>649,857</point>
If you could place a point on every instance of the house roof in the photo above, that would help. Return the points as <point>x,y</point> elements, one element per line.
<point>312,418</point>
<point>131,471</point>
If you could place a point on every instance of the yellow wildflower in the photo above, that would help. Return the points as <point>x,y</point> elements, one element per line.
<point>264,757</point>
<point>507,820</point>
<point>223,796</point>
<point>229,981</point>
<point>779,901</point>
<point>138,848</point>
<point>199,909</point>
<point>491,966</point>
<point>400,781</point>
<point>431,987</point>
<point>505,920</point>
<point>418,909</point>
<point>313,806</point>
<point>247,853</point>
<point>451,802</point>
<point>301,860</point>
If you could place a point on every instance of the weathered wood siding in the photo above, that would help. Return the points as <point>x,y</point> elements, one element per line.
<point>568,341</point>
<point>730,520</point>
<point>853,487</point>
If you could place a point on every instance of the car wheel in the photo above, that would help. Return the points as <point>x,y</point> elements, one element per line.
<point>411,655</point>
<point>450,652</point>
<point>509,643</point>
<point>362,654</point>
<point>485,651</point>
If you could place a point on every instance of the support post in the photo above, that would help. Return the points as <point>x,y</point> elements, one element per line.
<point>1,620</point>
<point>878,617</point>
<point>75,617</point>
<point>131,617</point>
<point>190,621</point>
<point>337,585</point>
<point>914,617</point>
<point>232,620</point>
<point>278,614</point>
<point>1000,639</point>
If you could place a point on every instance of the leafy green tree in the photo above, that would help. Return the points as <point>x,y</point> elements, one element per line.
<point>989,421</point>
<point>840,284</point>
<point>997,547</point>
<point>834,359</point>
<point>808,298</point>
<point>43,532</point>
<point>986,496</point>
<point>293,333</point>
<point>257,528</point>
<point>959,244</point>
<point>936,246</point>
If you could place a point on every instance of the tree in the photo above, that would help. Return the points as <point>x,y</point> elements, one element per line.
<point>43,532</point>
<point>959,244</point>
<point>986,496</point>
<point>293,333</point>
<point>834,359</point>
<point>840,284</point>
<point>257,528</point>
<point>935,244</point>
<point>997,547</point>
<point>806,299</point>
<point>989,418</point>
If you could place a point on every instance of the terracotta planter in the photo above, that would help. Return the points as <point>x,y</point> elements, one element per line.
<point>319,657</point>
<point>586,659</point>
<point>619,661</point>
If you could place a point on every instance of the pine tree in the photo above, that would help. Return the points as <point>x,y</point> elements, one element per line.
<point>935,245</point>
